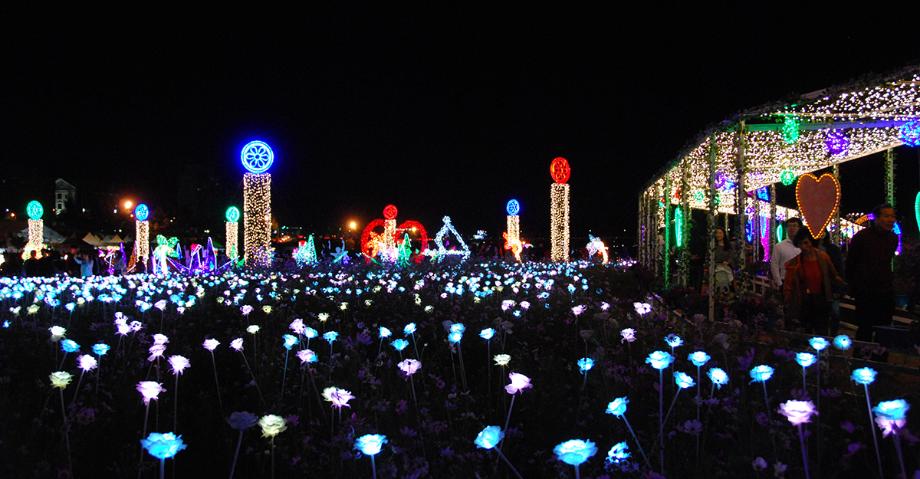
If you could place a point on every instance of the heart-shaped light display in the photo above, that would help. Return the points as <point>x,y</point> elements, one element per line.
<point>818,200</point>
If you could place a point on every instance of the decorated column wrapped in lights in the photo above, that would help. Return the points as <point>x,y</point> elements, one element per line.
<point>141,232</point>
<point>232,228</point>
<point>35,210</point>
<point>389,227</point>
<point>559,209</point>
<point>513,233</point>
<point>257,157</point>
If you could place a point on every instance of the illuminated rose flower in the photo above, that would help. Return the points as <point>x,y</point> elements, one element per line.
<point>489,437</point>
<point>210,344</point>
<point>863,376</point>
<point>718,377</point>
<point>86,362</point>
<point>699,358</point>
<point>502,359</point>
<point>575,452</point>
<point>272,425</point>
<point>797,412</point>
<point>149,390</point>
<point>370,444</point>
<point>306,356</point>
<point>409,366</point>
<point>338,397</point>
<point>237,344</point>
<point>60,379</point>
<point>617,407</point>
<point>628,334</point>
<point>518,384</point>
<point>659,360</point>
<point>178,364</point>
<point>242,420</point>
<point>163,446</point>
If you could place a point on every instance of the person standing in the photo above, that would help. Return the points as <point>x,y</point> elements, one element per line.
<point>808,287</point>
<point>783,252</point>
<point>868,270</point>
<point>86,264</point>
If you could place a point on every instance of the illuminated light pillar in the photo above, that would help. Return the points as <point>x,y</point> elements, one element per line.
<point>141,232</point>
<point>232,227</point>
<point>559,209</point>
<point>389,227</point>
<point>35,210</point>
<point>257,157</point>
<point>513,232</point>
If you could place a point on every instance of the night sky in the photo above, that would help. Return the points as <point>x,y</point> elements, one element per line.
<point>452,114</point>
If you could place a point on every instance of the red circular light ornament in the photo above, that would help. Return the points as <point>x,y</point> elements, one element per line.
<point>560,171</point>
<point>389,212</point>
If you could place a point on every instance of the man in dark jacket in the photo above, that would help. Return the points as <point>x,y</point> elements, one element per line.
<point>868,272</point>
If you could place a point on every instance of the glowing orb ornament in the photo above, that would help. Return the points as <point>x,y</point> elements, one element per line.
<point>141,212</point>
<point>35,210</point>
<point>390,212</point>
<point>790,129</point>
<point>559,170</point>
<point>787,177</point>
<point>513,207</point>
<point>257,157</point>
<point>232,215</point>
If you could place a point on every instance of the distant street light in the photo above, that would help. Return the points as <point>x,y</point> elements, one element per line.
<point>127,205</point>
<point>352,225</point>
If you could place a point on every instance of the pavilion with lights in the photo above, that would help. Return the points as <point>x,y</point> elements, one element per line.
<point>758,148</point>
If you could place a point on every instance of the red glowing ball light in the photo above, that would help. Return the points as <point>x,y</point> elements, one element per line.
<point>389,212</point>
<point>560,171</point>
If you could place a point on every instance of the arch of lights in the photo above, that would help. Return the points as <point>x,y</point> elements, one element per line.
<point>768,145</point>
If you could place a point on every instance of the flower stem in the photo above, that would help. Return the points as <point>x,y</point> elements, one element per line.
<point>220,403</point>
<point>638,444</point>
<point>897,448</point>
<point>236,454</point>
<point>66,433</point>
<point>507,421</point>
<point>373,468</point>
<point>661,420</point>
<point>176,407</point>
<point>513,470</point>
<point>804,455</point>
<point>878,457</point>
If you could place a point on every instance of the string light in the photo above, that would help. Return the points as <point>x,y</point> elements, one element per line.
<point>917,209</point>
<point>790,129</point>
<point>232,232</point>
<point>559,209</point>
<point>897,230</point>
<point>909,133</point>
<point>142,240</point>
<point>679,227</point>
<point>34,210</point>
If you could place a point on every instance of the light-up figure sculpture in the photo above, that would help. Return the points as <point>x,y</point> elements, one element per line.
<point>232,227</point>
<point>513,234</point>
<point>141,233</point>
<point>35,210</point>
<point>257,157</point>
<point>384,244</point>
<point>596,246</point>
<point>463,251</point>
<point>166,248</point>
<point>559,209</point>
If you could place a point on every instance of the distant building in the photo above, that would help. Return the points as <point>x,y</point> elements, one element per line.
<point>64,194</point>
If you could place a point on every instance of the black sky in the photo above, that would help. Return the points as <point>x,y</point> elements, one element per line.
<point>451,113</point>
